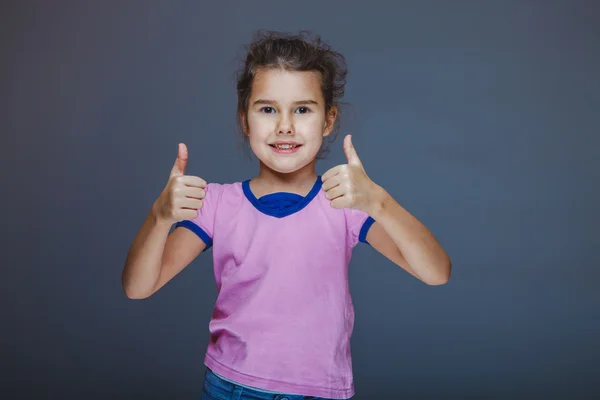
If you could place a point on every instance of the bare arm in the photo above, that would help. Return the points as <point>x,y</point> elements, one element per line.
<point>182,247</point>
<point>155,257</point>
<point>144,260</point>
<point>418,251</point>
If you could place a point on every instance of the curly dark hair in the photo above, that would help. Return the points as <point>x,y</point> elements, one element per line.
<point>294,52</point>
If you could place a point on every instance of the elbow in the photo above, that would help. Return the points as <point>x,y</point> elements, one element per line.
<point>442,276</point>
<point>438,281</point>
<point>134,294</point>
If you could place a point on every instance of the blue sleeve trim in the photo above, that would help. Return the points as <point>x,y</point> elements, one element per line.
<point>198,231</point>
<point>362,237</point>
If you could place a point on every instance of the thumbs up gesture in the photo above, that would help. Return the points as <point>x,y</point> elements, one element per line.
<point>182,196</point>
<point>347,185</point>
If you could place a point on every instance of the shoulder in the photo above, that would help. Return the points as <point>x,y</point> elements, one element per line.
<point>223,187</point>
<point>219,192</point>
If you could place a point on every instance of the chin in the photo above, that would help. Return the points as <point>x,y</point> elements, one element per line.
<point>284,169</point>
<point>283,165</point>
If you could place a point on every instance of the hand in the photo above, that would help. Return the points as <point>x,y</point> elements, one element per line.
<point>182,196</point>
<point>347,185</point>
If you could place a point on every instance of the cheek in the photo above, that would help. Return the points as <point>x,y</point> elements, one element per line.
<point>311,125</point>
<point>258,124</point>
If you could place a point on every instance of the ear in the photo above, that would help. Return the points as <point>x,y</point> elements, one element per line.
<point>330,120</point>
<point>244,122</point>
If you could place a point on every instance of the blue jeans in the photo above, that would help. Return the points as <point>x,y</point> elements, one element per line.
<point>216,388</point>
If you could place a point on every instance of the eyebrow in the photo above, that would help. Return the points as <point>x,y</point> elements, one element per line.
<point>264,101</point>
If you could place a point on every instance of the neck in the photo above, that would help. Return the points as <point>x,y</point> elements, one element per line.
<point>300,181</point>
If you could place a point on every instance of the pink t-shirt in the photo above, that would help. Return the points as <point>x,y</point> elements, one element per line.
<point>284,316</point>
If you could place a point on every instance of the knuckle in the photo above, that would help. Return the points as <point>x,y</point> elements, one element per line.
<point>178,181</point>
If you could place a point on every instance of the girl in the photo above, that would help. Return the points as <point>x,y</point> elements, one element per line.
<point>282,240</point>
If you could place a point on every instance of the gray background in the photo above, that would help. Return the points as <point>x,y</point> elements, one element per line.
<point>480,117</point>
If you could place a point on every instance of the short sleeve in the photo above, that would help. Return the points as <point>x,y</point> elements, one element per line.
<point>357,225</point>
<point>204,224</point>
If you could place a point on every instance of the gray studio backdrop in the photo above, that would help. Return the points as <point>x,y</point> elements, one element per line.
<point>481,118</point>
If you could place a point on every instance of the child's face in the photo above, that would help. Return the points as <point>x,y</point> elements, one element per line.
<point>276,114</point>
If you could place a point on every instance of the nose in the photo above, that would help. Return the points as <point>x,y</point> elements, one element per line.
<point>286,126</point>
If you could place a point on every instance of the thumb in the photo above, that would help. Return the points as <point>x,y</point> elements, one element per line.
<point>181,161</point>
<point>350,152</point>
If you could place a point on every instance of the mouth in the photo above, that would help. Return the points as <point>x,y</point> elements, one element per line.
<point>285,149</point>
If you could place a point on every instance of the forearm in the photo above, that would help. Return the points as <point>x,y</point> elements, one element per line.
<point>423,253</point>
<point>144,260</point>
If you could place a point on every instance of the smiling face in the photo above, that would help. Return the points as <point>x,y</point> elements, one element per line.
<point>287,106</point>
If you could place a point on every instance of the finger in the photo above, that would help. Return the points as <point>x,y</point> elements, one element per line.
<point>194,181</point>
<point>193,192</point>
<point>350,152</point>
<point>188,214</point>
<point>180,161</point>
<point>334,193</point>
<point>331,172</point>
<point>192,204</point>
<point>339,202</point>
<point>332,182</point>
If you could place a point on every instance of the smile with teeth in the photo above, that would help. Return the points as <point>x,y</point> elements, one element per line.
<point>285,146</point>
